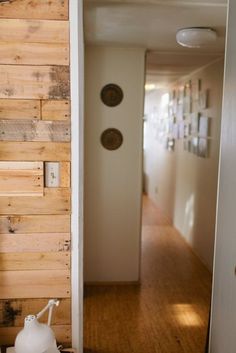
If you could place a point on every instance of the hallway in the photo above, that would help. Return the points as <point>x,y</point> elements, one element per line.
<point>167,313</point>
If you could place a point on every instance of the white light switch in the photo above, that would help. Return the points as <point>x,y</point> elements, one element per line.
<point>52,174</point>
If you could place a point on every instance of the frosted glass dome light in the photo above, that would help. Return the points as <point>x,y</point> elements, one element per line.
<point>196,37</point>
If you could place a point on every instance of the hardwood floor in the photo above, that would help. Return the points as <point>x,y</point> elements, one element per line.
<point>167,313</point>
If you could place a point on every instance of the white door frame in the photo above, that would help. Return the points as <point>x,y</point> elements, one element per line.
<point>77,169</point>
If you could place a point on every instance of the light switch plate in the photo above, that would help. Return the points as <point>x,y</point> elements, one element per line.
<point>52,174</point>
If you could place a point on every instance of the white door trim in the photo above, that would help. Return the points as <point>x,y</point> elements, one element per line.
<point>77,169</point>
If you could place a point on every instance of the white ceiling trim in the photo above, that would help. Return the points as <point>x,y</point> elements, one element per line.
<point>202,3</point>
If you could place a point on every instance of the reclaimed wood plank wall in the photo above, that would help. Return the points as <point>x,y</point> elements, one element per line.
<point>34,130</point>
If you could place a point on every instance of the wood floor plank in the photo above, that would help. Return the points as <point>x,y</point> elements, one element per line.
<point>167,313</point>
<point>35,9</point>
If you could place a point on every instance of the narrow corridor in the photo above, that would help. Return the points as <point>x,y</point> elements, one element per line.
<point>166,313</point>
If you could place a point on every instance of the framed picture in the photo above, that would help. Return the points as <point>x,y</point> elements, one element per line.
<point>186,129</point>
<point>203,126</point>
<point>196,88</point>
<point>202,147</point>
<point>194,123</point>
<point>194,145</point>
<point>203,100</point>
<point>187,105</point>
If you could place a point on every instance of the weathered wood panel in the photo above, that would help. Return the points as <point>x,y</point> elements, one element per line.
<point>8,334</point>
<point>35,242</point>
<point>65,174</point>
<point>30,151</point>
<point>35,224</point>
<point>34,261</point>
<point>13,312</point>
<point>54,201</point>
<point>34,130</point>
<point>19,109</point>
<point>35,9</point>
<point>34,53</point>
<point>34,31</point>
<point>35,284</point>
<point>34,82</point>
<point>19,179</point>
<point>55,110</point>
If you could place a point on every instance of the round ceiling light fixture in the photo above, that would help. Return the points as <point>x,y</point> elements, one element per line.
<point>196,37</point>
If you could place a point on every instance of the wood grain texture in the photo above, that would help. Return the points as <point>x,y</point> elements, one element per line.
<point>34,224</point>
<point>13,312</point>
<point>21,179</point>
<point>34,82</point>
<point>56,110</point>
<point>34,31</point>
<point>62,332</point>
<point>35,242</point>
<point>35,9</point>
<point>65,174</point>
<point>34,130</point>
<point>34,261</point>
<point>19,109</point>
<point>167,313</point>
<point>34,284</point>
<point>34,53</point>
<point>54,201</point>
<point>33,151</point>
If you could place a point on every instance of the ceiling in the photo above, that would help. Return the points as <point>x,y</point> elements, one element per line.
<point>152,24</point>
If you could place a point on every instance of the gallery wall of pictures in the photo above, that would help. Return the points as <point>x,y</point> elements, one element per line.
<point>185,118</point>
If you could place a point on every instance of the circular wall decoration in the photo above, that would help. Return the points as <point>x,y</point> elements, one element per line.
<point>111,139</point>
<point>112,95</point>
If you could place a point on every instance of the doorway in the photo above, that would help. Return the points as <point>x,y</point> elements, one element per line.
<point>120,314</point>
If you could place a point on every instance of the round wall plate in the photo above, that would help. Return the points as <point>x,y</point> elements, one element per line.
<point>111,95</point>
<point>111,139</point>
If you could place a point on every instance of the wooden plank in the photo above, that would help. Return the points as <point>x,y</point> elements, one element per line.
<point>21,183</point>
<point>31,151</point>
<point>65,174</point>
<point>34,53</point>
<point>62,332</point>
<point>13,312</point>
<point>34,82</point>
<point>34,31</point>
<point>19,109</point>
<point>34,130</point>
<point>34,261</point>
<point>34,284</point>
<point>19,179</point>
<point>35,242</point>
<point>34,167</point>
<point>35,9</point>
<point>35,224</point>
<point>56,110</point>
<point>54,201</point>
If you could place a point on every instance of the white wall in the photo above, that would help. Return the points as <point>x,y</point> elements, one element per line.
<point>223,338</point>
<point>181,183</point>
<point>113,178</point>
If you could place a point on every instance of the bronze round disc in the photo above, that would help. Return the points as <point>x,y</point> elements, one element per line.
<point>111,95</point>
<point>111,139</point>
